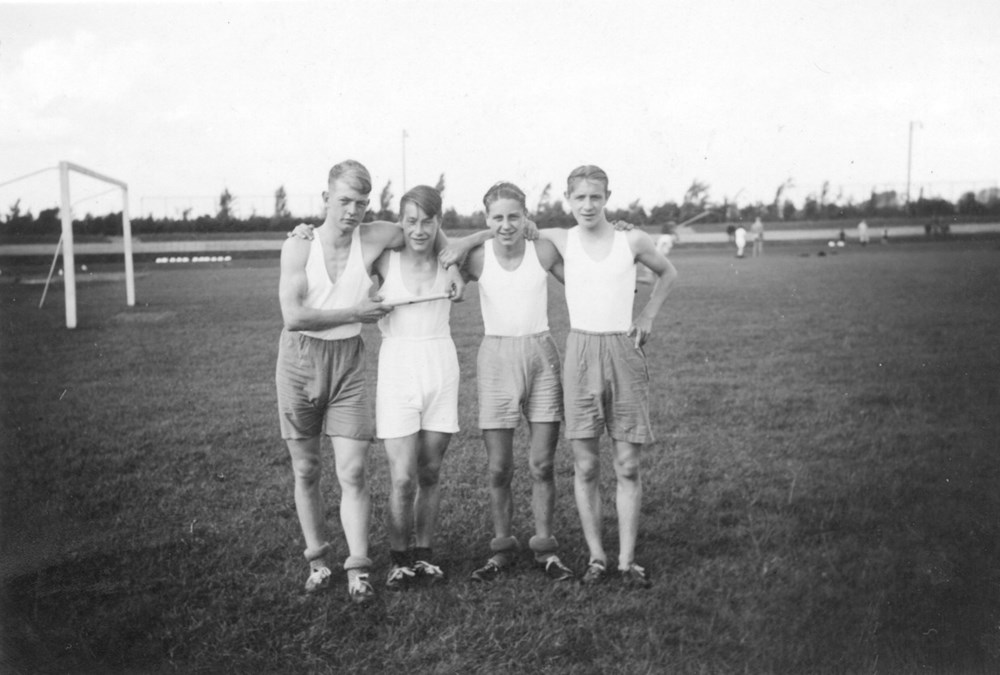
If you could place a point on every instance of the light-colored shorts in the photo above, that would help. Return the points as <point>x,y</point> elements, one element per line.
<point>515,375</point>
<point>417,387</point>
<point>321,388</point>
<point>606,386</point>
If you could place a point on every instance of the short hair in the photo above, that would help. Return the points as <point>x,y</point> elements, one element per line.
<point>424,196</point>
<point>505,190</point>
<point>353,173</point>
<point>587,172</point>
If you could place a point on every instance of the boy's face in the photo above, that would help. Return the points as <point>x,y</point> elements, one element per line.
<point>587,200</point>
<point>345,203</point>
<point>419,229</point>
<point>506,219</point>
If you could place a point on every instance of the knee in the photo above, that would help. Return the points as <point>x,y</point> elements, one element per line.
<point>307,470</point>
<point>587,469</point>
<point>351,476</point>
<point>542,471</point>
<point>627,470</point>
<point>500,476</point>
<point>428,474</point>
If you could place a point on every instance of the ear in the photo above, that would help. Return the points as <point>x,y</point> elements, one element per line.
<point>607,194</point>
<point>326,195</point>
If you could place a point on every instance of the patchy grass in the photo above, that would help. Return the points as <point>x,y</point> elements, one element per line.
<point>822,496</point>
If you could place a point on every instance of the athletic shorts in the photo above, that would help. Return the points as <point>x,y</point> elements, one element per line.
<point>606,386</point>
<point>417,387</point>
<point>321,388</point>
<point>515,375</point>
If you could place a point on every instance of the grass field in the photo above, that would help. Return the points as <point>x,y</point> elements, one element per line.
<point>822,497</point>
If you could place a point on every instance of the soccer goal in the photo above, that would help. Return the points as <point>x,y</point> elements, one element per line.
<point>66,215</point>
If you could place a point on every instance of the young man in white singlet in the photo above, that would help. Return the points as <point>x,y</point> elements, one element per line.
<point>517,372</point>
<point>611,389</point>
<point>324,295</point>
<point>416,397</point>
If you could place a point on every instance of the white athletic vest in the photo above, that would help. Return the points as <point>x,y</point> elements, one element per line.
<point>418,321</point>
<point>599,293</point>
<point>514,302</point>
<point>351,288</point>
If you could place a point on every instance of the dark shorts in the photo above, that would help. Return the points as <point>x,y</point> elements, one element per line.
<point>321,388</point>
<point>606,387</point>
<point>515,375</point>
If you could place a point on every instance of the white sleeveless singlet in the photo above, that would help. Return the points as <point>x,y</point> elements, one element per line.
<point>599,293</point>
<point>514,302</point>
<point>351,288</point>
<point>418,321</point>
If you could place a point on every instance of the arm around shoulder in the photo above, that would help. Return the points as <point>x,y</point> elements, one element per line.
<point>293,286</point>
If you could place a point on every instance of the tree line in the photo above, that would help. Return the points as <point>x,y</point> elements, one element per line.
<point>548,212</point>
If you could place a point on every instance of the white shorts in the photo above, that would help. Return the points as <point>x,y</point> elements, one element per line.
<point>417,387</point>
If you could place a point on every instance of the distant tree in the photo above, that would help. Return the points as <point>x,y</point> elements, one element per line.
<point>544,198</point>
<point>225,205</point>
<point>385,203</point>
<point>811,208</point>
<point>440,184</point>
<point>664,213</point>
<point>185,214</point>
<point>14,212</point>
<point>552,214</point>
<point>780,212</point>
<point>695,199</point>
<point>636,213</point>
<point>968,205</point>
<point>788,210</point>
<point>450,220</point>
<point>281,203</point>
<point>48,221</point>
<point>751,211</point>
<point>990,196</point>
<point>931,208</point>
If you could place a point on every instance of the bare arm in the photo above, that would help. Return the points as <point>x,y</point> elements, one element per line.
<point>550,259</point>
<point>665,273</point>
<point>472,268</point>
<point>455,251</point>
<point>292,288</point>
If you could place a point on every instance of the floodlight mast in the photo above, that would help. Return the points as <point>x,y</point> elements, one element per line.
<point>69,264</point>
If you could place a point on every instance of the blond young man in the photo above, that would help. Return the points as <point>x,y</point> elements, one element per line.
<point>324,292</point>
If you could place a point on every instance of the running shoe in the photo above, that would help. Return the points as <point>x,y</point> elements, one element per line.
<point>358,587</point>
<point>491,571</point>
<point>597,572</point>
<point>556,570</point>
<point>319,579</point>
<point>635,576</point>
<point>399,577</point>
<point>429,571</point>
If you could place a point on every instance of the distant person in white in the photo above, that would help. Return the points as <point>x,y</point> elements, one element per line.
<point>741,240</point>
<point>863,233</point>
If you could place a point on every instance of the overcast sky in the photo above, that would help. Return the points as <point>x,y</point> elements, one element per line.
<point>183,100</point>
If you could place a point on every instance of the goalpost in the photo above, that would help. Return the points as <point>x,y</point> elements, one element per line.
<point>66,214</point>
